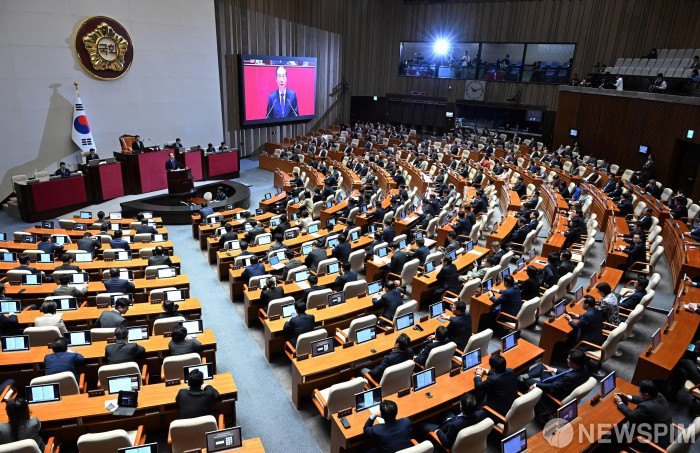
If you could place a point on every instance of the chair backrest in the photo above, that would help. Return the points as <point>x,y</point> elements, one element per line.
<point>527,315</point>
<point>317,298</point>
<point>159,292</point>
<point>102,333</point>
<point>441,358</point>
<point>323,265</point>
<point>479,340</point>
<point>410,306</point>
<point>304,340</point>
<point>424,447</point>
<point>634,317</point>
<point>275,306</point>
<point>161,326</point>
<point>342,396</point>
<point>119,369</point>
<point>172,365</point>
<point>142,237</point>
<point>105,441</point>
<point>612,343</point>
<point>65,380</point>
<point>563,285</point>
<point>15,275</point>
<point>397,377</point>
<point>189,434</point>
<point>21,446</point>
<point>410,269</point>
<point>654,281</point>
<point>41,336</point>
<point>581,391</point>
<point>359,323</point>
<point>685,441</point>
<point>522,412</point>
<point>491,272</point>
<point>260,237</point>
<point>354,289</point>
<point>505,259</point>
<point>473,438</point>
<point>469,290</point>
<point>257,281</point>
<point>647,298</point>
<point>106,298</point>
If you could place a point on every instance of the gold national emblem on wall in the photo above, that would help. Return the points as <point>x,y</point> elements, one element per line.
<point>104,48</point>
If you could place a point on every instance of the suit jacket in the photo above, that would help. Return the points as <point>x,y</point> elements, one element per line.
<point>67,267</point>
<point>291,264</point>
<point>589,327</point>
<point>448,430</point>
<point>448,278</point>
<point>27,430</point>
<point>463,227</point>
<point>137,146</point>
<point>185,346</point>
<point>8,324</point>
<point>314,257</point>
<point>500,389</point>
<point>509,301</point>
<point>549,275</point>
<point>398,259</point>
<point>268,295</point>
<point>232,236</point>
<point>530,288</point>
<point>159,260</point>
<point>347,277</point>
<point>69,291</point>
<point>630,301</point>
<point>49,247</point>
<point>389,437</point>
<point>255,232</point>
<point>342,251</point>
<point>62,172</point>
<point>421,253</point>
<point>636,252</point>
<point>459,329</point>
<point>117,285</point>
<point>275,108</point>
<point>390,301</point>
<point>121,352</point>
<point>58,362</point>
<point>252,271</point>
<point>394,357</point>
<point>298,325</point>
<point>565,268</point>
<point>388,234</point>
<point>146,229</point>
<point>196,403</point>
<point>110,318</point>
<point>172,164</point>
<point>49,320</point>
<point>651,412</point>
<point>562,385</point>
<point>119,244</point>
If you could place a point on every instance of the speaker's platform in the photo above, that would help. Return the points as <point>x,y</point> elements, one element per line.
<point>178,209</point>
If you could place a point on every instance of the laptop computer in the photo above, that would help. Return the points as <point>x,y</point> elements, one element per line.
<point>31,279</point>
<point>168,272</point>
<point>429,267</point>
<point>79,279</point>
<point>207,370</point>
<point>423,379</point>
<point>79,338</point>
<point>127,402</point>
<point>128,382</point>
<point>85,215</point>
<point>223,439</point>
<point>115,216</point>
<point>44,393</point>
<point>321,347</point>
<point>15,343</point>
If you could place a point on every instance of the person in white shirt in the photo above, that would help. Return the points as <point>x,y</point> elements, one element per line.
<point>618,83</point>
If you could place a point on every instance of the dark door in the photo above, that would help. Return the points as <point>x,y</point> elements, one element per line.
<point>687,176</point>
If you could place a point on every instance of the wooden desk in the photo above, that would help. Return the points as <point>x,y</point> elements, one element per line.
<point>613,241</point>
<point>603,415</point>
<point>555,240</point>
<point>446,391</point>
<point>503,231</point>
<point>423,283</point>
<point>75,234</point>
<point>75,415</point>
<point>329,318</point>
<point>125,221</point>
<point>560,330</point>
<point>673,344</point>
<point>249,446</point>
<point>95,268</point>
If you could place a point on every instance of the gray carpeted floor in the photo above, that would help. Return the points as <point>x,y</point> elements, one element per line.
<point>264,408</point>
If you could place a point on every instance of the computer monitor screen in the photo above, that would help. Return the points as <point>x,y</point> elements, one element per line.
<point>123,256</point>
<point>43,393</point>
<point>288,311</point>
<point>560,309</point>
<point>125,382</point>
<point>306,249</point>
<point>15,343</point>
<point>579,293</point>
<point>607,385</point>
<point>333,242</point>
<point>60,240</point>
<point>515,443</point>
<point>66,303</point>
<point>138,333</point>
<point>365,334</point>
<point>382,252</point>
<point>115,216</point>
<point>29,239</point>
<point>403,214</point>
<point>116,297</point>
<point>193,327</point>
<point>533,254</point>
<point>573,132</point>
<point>3,237</point>
<point>453,255</point>
<point>329,205</point>
<point>569,411</point>
<point>437,309</point>
<point>470,246</point>
<point>234,245</point>
<point>264,239</point>
<point>9,257</point>
<point>331,223</point>
<point>643,149</point>
<point>207,370</point>
<point>79,338</point>
<point>274,222</point>
<point>429,267</point>
<point>45,258</point>
<point>321,347</point>
<point>521,263</point>
<point>405,321</point>
<point>402,244</point>
<point>594,279</point>
<point>146,448</point>
<point>279,190</point>
<point>312,229</point>
<point>336,298</point>
<point>333,268</point>
<point>147,215</point>
<point>31,279</point>
<point>656,339</point>
<point>509,341</point>
<point>354,236</point>
<point>85,215</point>
<point>374,287</point>
<point>423,379</point>
<point>224,439</point>
<point>301,276</point>
<point>471,359</point>
<point>488,284</point>
<point>291,234</point>
<point>115,227</point>
<point>81,279</point>
<point>167,272</point>
<point>373,228</point>
<point>368,399</point>
<point>83,257</point>
<point>505,272</point>
<point>10,306</point>
<point>268,196</point>
<point>418,235</point>
<point>670,317</point>
<point>175,295</point>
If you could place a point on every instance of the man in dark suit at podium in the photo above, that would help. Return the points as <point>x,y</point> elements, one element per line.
<point>62,171</point>
<point>92,156</point>
<point>137,145</point>
<point>171,164</point>
<point>282,102</point>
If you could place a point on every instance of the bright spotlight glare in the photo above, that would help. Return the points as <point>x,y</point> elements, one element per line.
<point>441,47</point>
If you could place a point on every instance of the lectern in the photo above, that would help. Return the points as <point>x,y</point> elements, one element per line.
<point>180,182</point>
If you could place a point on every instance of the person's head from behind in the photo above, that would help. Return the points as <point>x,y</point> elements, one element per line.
<point>114,272</point>
<point>576,359</point>
<point>388,410</point>
<point>23,260</point>
<point>17,413</point>
<point>313,279</point>
<point>170,306</point>
<point>648,390</point>
<point>565,255</point>
<point>497,363</point>
<point>64,279</point>
<point>118,234</point>
<point>100,215</point>
<point>603,288</point>
<point>532,272</point>
<point>195,379</point>
<point>300,306</point>
<point>48,307</point>
<point>403,342</point>
<point>281,78</point>
<point>179,333</point>
<point>159,250</point>
<point>122,305</point>
<point>59,345</point>
<point>442,334</point>
<point>588,302</point>
<point>121,333</point>
<point>467,404</point>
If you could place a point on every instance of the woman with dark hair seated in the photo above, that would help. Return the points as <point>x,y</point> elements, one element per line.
<point>180,344</point>
<point>20,425</point>
<point>169,310</point>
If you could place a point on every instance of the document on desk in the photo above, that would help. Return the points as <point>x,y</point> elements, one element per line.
<point>303,285</point>
<point>473,252</point>
<point>277,266</point>
<point>381,261</point>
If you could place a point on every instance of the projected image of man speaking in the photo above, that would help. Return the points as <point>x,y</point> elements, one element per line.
<point>282,103</point>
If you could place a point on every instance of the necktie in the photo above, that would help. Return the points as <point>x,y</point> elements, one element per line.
<point>282,96</point>
<point>557,375</point>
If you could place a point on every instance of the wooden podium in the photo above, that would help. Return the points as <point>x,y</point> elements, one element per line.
<point>180,182</point>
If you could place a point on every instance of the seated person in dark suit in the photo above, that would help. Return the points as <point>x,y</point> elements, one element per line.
<point>255,232</point>
<point>122,351</point>
<point>630,299</point>
<point>565,263</point>
<point>170,310</point>
<point>66,259</point>
<point>549,274</point>
<point>299,324</point>
<point>197,399</point>
<point>635,252</point>
<point>509,301</point>
<point>47,246</point>
<point>283,226</point>
<point>62,171</point>
<point>390,301</point>
<point>447,279</point>
<point>118,242</point>
<point>220,194</point>
<point>589,325</point>
<point>145,228</point>
<point>343,249</point>
<point>179,343</point>
<point>316,255</point>
<point>530,288</point>
<point>520,188</point>
<point>159,258</point>
<point>557,383</point>
<point>652,413</point>
<point>421,252</point>
<point>519,234</point>
<point>392,435</point>
<point>87,244</point>
<point>501,387</point>
<point>270,292</point>
<point>440,338</point>
<point>229,235</point>
<point>452,424</point>
<point>24,266</point>
<point>399,354</point>
<point>388,232</point>
<point>114,318</point>
<point>313,286</point>
<point>279,243</point>
<point>459,328</point>
<point>101,222</point>
<point>625,205</point>
<point>369,253</point>
<point>62,359</point>
<point>347,275</point>
<point>92,156</point>
<point>118,285</point>
<point>255,268</point>
<point>293,263</point>
<point>65,289</point>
